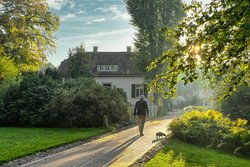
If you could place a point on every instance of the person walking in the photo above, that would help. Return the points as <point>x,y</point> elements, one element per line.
<point>141,111</point>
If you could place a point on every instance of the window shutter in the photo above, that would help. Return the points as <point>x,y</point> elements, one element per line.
<point>133,91</point>
<point>146,90</point>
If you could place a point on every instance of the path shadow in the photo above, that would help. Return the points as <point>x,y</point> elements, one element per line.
<point>109,157</point>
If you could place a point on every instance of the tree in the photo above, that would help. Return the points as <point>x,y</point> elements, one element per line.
<point>7,68</point>
<point>238,105</point>
<point>216,46</point>
<point>79,63</point>
<point>26,32</point>
<point>150,17</point>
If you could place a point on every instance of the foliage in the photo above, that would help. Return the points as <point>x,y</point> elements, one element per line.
<point>52,73</point>
<point>4,87</point>
<point>40,100</point>
<point>23,105</point>
<point>7,68</point>
<point>212,129</point>
<point>149,18</point>
<point>18,142</point>
<point>78,64</point>
<point>216,46</point>
<point>184,154</point>
<point>5,84</point>
<point>26,33</point>
<point>238,105</point>
<point>86,104</point>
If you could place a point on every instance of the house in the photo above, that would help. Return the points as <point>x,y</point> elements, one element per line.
<point>116,69</point>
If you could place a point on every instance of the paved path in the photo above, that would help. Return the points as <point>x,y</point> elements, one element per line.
<point>115,150</point>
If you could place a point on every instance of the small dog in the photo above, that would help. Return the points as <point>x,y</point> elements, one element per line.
<point>160,135</point>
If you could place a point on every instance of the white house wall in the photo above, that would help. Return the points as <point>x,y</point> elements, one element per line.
<point>123,82</point>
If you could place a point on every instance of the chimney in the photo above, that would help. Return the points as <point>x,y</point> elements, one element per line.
<point>95,49</point>
<point>129,49</point>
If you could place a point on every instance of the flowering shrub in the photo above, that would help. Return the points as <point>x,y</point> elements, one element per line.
<point>212,129</point>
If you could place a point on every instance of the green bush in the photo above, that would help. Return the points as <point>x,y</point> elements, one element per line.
<point>23,105</point>
<point>42,101</point>
<point>4,87</point>
<point>238,105</point>
<point>85,106</point>
<point>9,111</point>
<point>212,129</point>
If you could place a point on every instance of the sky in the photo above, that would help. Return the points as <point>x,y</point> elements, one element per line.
<point>102,23</point>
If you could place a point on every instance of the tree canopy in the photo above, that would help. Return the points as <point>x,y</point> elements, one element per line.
<point>79,64</point>
<point>26,33</point>
<point>215,46</point>
<point>149,18</point>
<point>7,68</point>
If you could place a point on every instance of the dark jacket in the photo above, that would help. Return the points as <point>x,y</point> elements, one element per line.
<point>141,108</point>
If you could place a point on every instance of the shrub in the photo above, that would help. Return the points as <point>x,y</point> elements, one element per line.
<point>23,105</point>
<point>238,105</point>
<point>52,73</point>
<point>9,113</point>
<point>4,87</point>
<point>43,101</point>
<point>85,104</point>
<point>212,129</point>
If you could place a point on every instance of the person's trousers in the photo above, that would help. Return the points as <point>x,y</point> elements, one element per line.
<point>141,121</point>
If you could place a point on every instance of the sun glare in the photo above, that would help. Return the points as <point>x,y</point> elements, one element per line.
<point>197,49</point>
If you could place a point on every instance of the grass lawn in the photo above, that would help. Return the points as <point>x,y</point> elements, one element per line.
<point>179,154</point>
<point>17,142</point>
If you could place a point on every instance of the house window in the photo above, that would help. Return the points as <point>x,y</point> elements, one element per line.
<point>138,90</point>
<point>100,68</point>
<point>107,67</point>
<point>109,85</point>
<point>113,67</point>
